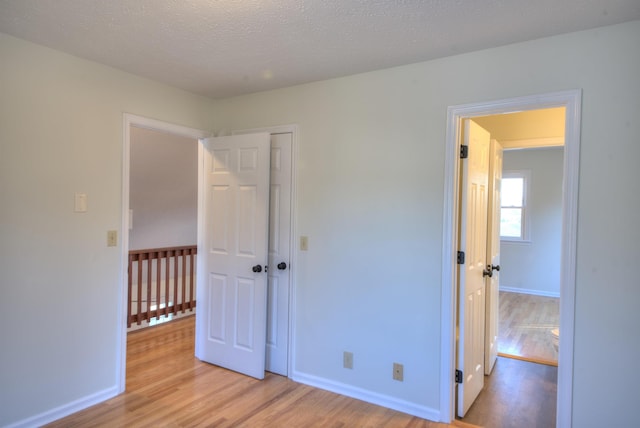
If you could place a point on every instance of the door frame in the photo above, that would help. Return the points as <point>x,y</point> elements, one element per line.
<point>155,125</point>
<point>572,101</point>
<point>129,120</point>
<point>293,130</point>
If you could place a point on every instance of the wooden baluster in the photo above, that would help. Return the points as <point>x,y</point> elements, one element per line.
<point>184,279</point>
<point>159,287</point>
<point>169,280</point>
<point>167,283</point>
<point>139,285</point>
<point>149,278</point>
<point>158,281</point>
<point>176,274</point>
<point>191,277</point>
<point>129,285</point>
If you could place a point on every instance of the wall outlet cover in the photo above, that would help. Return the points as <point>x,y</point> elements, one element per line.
<point>347,360</point>
<point>398,372</point>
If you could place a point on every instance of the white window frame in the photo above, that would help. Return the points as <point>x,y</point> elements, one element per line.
<point>525,174</point>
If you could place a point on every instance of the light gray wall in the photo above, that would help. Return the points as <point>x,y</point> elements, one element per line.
<point>370,197</point>
<point>61,132</point>
<point>163,190</point>
<point>534,266</point>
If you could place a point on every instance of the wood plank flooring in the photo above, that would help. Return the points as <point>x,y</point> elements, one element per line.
<point>517,394</point>
<point>168,387</point>
<point>521,393</point>
<point>525,326</point>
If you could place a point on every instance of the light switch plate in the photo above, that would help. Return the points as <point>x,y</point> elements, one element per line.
<point>304,243</point>
<point>112,238</point>
<point>80,205</point>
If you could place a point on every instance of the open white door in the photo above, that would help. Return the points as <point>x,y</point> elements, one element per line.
<point>473,241</point>
<point>279,254</point>
<point>232,300</point>
<point>493,256</point>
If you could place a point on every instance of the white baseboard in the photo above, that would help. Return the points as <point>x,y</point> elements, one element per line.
<point>368,396</point>
<point>530,291</point>
<point>66,409</point>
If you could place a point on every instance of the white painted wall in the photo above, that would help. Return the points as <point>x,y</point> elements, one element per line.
<point>534,266</point>
<point>61,132</point>
<point>163,189</point>
<point>370,183</point>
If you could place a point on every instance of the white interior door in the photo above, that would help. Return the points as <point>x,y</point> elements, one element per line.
<point>493,256</point>
<point>279,254</point>
<point>473,241</point>
<point>232,300</point>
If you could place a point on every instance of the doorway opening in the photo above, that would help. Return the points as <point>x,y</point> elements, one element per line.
<point>528,219</point>
<point>134,122</point>
<point>190,133</point>
<point>570,100</point>
<point>162,235</point>
<point>523,222</point>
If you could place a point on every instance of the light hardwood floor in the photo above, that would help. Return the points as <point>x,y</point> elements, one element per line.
<point>525,324</point>
<point>521,393</point>
<point>168,387</point>
<point>518,394</point>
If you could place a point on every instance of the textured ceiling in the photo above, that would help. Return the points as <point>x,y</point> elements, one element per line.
<point>221,48</point>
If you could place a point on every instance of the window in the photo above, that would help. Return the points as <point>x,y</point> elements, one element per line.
<point>513,206</point>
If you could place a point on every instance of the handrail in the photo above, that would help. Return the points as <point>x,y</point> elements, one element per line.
<point>160,277</point>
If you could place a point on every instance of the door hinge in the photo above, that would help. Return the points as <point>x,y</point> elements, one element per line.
<point>458,376</point>
<point>460,258</point>
<point>464,151</point>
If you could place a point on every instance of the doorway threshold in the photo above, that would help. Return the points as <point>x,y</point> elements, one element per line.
<point>553,363</point>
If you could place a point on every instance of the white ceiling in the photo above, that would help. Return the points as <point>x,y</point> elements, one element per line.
<point>221,48</point>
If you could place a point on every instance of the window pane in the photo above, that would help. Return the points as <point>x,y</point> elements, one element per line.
<point>512,192</point>
<point>511,222</point>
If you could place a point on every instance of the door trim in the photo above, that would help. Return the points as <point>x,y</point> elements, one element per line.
<point>572,101</point>
<point>293,256</point>
<point>156,125</point>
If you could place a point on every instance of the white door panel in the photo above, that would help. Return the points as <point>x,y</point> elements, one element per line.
<point>473,238</point>
<point>279,252</point>
<point>493,256</point>
<point>235,225</point>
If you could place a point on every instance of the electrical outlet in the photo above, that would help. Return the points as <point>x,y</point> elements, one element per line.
<point>398,372</point>
<point>304,243</point>
<point>347,360</point>
<point>112,238</point>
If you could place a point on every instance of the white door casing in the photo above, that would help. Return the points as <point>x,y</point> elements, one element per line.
<point>473,241</point>
<point>493,257</point>
<point>231,318</point>
<point>279,254</point>
<point>571,100</point>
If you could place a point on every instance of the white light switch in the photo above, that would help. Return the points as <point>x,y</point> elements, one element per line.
<point>304,243</point>
<point>80,203</point>
<point>112,238</point>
